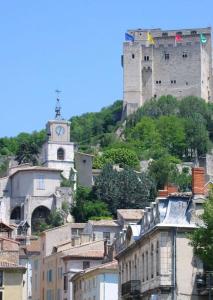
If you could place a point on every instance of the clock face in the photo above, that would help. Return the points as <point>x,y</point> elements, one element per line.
<point>59,130</point>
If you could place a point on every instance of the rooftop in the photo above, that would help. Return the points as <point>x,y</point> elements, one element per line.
<point>131,214</point>
<point>89,250</point>
<point>112,265</point>
<point>35,168</point>
<point>104,223</point>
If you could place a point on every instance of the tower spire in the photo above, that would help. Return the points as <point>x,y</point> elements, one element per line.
<point>58,106</point>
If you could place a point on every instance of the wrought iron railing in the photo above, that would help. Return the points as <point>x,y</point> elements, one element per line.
<point>131,287</point>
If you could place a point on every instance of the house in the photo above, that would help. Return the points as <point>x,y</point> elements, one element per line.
<point>11,272</point>
<point>52,273</point>
<point>157,261</point>
<point>97,283</point>
<point>129,216</point>
<point>103,229</point>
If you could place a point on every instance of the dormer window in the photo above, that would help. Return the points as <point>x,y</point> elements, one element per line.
<point>60,154</point>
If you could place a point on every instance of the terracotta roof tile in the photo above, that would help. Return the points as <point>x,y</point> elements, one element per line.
<point>34,246</point>
<point>10,265</point>
<point>93,249</point>
<point>104,223</point>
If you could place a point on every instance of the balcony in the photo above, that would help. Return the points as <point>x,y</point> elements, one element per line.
<point>131,287</point>
<point>204,282</point>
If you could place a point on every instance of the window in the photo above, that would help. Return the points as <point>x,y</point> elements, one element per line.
<point>49,295</point>
<point>86,265</point>
<point>65,282</point>
<point>40,183</point>
<point>193,32</point>
<point>173,81</point>
<point>158,81</point>
<point>152,261</point>
<point>1,278</point>
<point>166,55</point>
<point>58,294</point>
<point>165,34</point>
<point>106,235</point>
<point>133,56</point>
<point>60,154</point>
<point>157,259</point>
<point>147,265</point>
<point>143,270</point>
<point>36,264</point>
<point>187,83</point>
<point>184,55</point>
<point>146,58</point>
<point>49,275</point>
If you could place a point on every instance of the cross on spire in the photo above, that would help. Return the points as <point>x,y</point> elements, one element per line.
<point>58,106</point>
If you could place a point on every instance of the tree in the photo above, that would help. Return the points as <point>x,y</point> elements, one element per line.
<point>197,137</point>
<point>146,132</point>
<point>162,169</point>
<point>202,237</point>
<point>87,206</point>
<point>121,156</point>
<point>27,153</point>
<point>124,189</point>
<point>172,132</point>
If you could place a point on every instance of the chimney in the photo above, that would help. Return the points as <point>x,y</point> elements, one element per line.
<point>198,181</point>
<point>168,189</point>
<point>172,189</point>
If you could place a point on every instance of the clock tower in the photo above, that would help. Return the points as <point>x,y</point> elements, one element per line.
<point>58,151</point>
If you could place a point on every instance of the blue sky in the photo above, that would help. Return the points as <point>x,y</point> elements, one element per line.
<point>74,46</point>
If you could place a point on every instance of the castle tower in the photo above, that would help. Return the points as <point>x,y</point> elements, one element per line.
<point>179,63</point>
<point>58,151</point>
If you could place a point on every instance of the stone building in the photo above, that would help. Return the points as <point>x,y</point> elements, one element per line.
<point>176,63</point>
<point>28,193</point>
<point>156,260</point>
<point>12,282</point>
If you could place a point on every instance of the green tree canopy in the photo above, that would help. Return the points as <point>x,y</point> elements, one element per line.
<point>202,237</point>
<point>124,189</point>
<point>87,206</point>
<point>121,156</point>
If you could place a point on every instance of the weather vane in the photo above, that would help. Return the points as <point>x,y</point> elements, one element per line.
<point>58,106</point>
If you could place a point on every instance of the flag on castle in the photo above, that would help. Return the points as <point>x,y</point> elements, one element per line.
<point>129,37</point>
<point>178,38</point>
<point>203,39</point>
<point>150,38</point>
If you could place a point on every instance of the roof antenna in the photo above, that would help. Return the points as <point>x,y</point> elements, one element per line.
<point>58,106</point>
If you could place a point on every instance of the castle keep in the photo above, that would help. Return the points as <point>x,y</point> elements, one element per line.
<point>175,62</point>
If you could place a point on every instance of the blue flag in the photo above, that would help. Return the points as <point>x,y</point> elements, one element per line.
<point>129,37</point>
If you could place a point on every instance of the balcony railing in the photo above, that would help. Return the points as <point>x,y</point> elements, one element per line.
<point>131,287</point>
<point>204,281</point>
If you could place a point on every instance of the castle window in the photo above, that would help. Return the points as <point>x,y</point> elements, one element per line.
<point>146,58</point>
<point>165,34</point>
<point>184,55</point>
<point>60,154</point>
<point>187,83</point>
<point>158,81</point>
<point>166,55</point>
<point>133,56</point>
<point>173,81</point>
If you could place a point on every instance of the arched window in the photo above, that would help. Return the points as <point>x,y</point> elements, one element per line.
<point>60,154</point>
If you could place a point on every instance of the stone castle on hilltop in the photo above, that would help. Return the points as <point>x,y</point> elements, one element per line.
<point>157,62</point>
